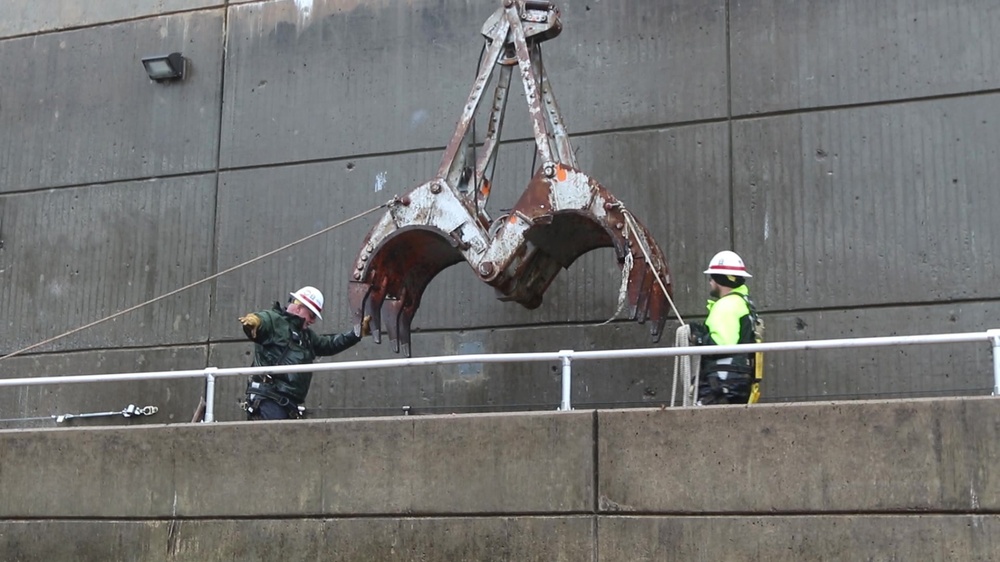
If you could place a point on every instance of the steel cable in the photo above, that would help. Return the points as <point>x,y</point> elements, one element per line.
<point>196,283</point>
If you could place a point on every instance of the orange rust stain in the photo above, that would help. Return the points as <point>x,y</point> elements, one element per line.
<point>561,173</point>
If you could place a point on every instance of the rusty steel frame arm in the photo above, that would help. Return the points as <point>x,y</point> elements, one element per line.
<point>487,162</point>
<point>562,214</point>
<point>451,164</point>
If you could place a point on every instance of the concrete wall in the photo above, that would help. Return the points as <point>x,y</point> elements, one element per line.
<point>861,480</point>
<point>847,149</point>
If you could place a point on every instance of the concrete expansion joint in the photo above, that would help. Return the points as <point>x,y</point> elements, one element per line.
<point>607,504</point>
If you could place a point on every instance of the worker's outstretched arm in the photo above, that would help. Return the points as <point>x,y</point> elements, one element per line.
<point>331,344</point>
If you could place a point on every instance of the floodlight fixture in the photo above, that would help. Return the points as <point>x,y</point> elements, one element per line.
<point>165,67</point>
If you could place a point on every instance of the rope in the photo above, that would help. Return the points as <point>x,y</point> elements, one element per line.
<point>623,288</point>
<point>684,365</point>
<point>195,284</point>
<point>632,225</point>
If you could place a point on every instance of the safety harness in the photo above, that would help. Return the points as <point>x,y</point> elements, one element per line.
<point>266,387</point>
<point>757,358</point>
<point>754,333</point>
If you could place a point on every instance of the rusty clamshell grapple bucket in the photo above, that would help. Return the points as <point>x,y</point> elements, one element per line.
<point>562,214</point>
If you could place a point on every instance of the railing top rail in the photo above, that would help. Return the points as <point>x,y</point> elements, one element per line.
<point>553,356</point>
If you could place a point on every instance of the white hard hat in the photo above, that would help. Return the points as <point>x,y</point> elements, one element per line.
<point>311,298</point>
<point>727,262</point>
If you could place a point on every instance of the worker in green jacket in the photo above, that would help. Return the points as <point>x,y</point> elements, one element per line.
<point>282,336</point>
<point>732,319</point>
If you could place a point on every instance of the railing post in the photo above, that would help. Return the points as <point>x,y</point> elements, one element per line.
<point>210,394</point>
<point>994,336</point>
<point>565,356</point>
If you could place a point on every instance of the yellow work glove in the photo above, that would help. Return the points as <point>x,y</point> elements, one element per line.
<point>250,324</point>
<point>366,329</point>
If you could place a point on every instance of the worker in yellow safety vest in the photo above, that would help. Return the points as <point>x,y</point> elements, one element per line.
<point>732,319</point>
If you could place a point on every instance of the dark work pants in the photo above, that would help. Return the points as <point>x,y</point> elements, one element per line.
<point>734,390</point>
<point>271,410</point>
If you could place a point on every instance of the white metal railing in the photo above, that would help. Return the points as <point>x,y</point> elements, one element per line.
<point>565,357</point>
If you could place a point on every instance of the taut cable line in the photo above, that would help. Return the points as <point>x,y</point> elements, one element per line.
<point>196,283</point>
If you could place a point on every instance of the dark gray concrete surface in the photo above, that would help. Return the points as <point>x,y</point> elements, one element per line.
<point>861,199</point>
<point>24,17</point>
<point>78,107</point>
<point>104,472</point>
<point>847,149</point>
<point>358,78</point>
<point>889,372</point>
<point>473,464</point>
<point>934,538</point>
<point>85,541</point>
<point>541,539</point>
<point>870,206</point>
<point>37,406</point>
<point>839,480</point>
<point>789,54</point>
<point>74,256</point>
<point>847,457</point>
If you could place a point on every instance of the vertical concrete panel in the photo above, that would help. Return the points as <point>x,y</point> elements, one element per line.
<point>85,541</point>
<point>332,78</point>
<point>102,473</point>
<point>635,63</point>
<point>506,464</point>
<point>500,539</point>
<point>38,406</point>
<point>790,54</point>
<point>338,78</point>
<point>934,538</point>
<point>881,457</point>
<point>533,463</point>
<point>73,256</point>
<point>494,539</point>
<point>886,372</point>
<point>250,540</point>
<point>28,16</point>
<point>874,205</point>
<point>83,110</point>
<point>267,469</point>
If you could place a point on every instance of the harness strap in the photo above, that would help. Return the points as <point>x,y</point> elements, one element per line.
<point>269,391</point>
<point>716,367</point>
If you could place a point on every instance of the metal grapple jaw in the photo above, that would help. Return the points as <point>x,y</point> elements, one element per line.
<point>561,215</point>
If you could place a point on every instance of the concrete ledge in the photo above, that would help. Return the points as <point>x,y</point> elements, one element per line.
<point>928,538</point>
<point>492,464</point>
<point>564,539</point>
<point>48,540</point>
<point>878,456</point>
<point>117,472</point>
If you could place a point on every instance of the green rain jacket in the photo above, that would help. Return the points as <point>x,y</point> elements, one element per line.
<point>281,340</point>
